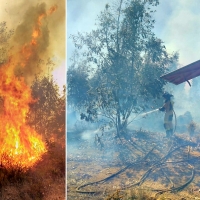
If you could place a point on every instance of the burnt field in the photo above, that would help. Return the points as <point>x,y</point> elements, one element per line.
<point>144,165</point>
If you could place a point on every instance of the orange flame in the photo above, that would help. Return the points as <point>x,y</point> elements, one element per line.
<point>18,141</point>
<point>52,9</point>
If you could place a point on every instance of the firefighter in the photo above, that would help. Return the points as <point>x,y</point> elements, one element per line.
<point>168,109</point>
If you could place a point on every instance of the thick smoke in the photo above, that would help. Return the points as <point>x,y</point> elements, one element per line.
<point>24,18</point>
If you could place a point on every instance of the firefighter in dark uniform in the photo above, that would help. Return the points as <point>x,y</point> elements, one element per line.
<point>168,109</point>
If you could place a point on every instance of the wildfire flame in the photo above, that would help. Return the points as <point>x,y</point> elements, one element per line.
<point>18,141</point>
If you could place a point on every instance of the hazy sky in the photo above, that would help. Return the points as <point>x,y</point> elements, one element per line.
<point>177,24</point>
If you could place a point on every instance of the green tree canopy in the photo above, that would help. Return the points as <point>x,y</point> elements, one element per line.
<point>47,113</point>
<point>125,60</point>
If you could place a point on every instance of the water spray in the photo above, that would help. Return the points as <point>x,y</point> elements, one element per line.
<point>146,113</point>
<point>143,115</point>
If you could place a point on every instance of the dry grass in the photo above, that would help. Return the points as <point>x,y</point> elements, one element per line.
<point>46,180</point>
<point>115,196</point>
<point>134,194</point>
<point>139,194</point>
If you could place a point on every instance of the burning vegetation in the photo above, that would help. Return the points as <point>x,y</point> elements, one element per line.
<point>32,110</point>
<point>19,141</point>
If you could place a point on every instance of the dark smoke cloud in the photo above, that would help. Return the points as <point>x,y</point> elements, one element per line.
<point>23,17</point>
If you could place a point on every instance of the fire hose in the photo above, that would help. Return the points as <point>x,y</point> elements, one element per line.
<point>175,122</point>
<point>158,164</point>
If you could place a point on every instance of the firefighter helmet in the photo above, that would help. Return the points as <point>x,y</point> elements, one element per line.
<point>167,95</point>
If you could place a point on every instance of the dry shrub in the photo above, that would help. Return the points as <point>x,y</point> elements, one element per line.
<point>140,194</point>
<point>143,134</point>
<point>33,189</point>
<point>192,126</point>
<point>20,179</point>
<point>12,177</point>
<point>115,196</point>
<point>45,173</point>
<point>134,194</point>
<point>34,183</point>
<point>56,154</point>
<point>11,173</point>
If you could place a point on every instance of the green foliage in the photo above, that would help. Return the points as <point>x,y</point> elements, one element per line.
<point>47,113</point>
<point>124,59</point>
<point>77,87</point>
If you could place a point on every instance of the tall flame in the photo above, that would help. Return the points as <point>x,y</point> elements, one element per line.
<point>21,143</point>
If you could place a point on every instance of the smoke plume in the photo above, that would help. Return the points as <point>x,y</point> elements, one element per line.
<point>39,27</point>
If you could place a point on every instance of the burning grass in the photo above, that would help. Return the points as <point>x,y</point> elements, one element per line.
<point>45,180</point>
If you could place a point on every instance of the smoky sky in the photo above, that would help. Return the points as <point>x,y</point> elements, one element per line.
<point>177,24</point>
<point>81,16</point>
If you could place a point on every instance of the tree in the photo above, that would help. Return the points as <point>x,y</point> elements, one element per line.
<point>127,60</point>
<point>47,113</point>
<point>78,85</point>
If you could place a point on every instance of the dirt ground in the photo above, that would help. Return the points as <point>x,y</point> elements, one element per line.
<point>87,163</point>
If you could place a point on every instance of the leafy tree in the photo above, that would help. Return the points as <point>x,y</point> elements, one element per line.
<point>125,59</point>
<point>47,113</point>
<point>78,85</point>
